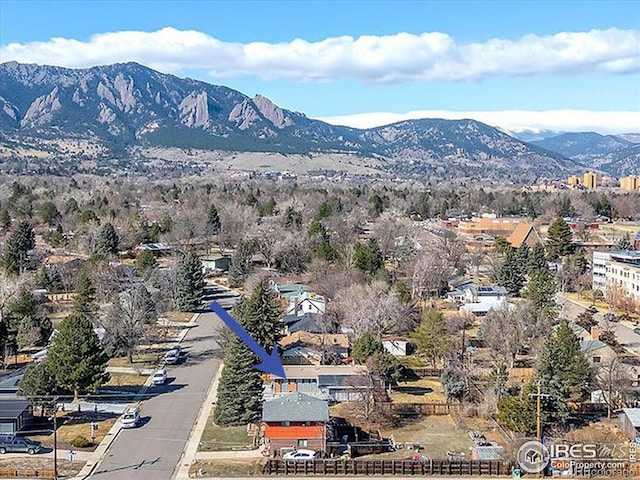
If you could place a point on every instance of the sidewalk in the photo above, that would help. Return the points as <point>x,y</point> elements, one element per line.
<point>131,370</point>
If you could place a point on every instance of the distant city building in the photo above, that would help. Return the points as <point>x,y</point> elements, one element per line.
<point>621,268</point>
<point>590,180</point>
<point>573,180</point>
<point>630,183</point>
<point>491,225</point>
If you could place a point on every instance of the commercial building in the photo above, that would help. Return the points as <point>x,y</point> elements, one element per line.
<point>573,180</point>
<point>620,268</point>
<point>630,183</point>
<point>590,180</point>
<point>489,225</point>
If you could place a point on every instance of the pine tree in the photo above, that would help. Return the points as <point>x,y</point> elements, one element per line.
<point>213,220</point>
<point>559,239</point>
<point>240,390</point>
<point>23,239</point>
<point>563,371</point>
<point>537,259</point>
<point>49,278</point>
<point>541,290</point>
<point>76,358</point>
<point>5,219</point>
<point>509,274</point>
<point>518,412</point>
<point>625,243</point>
<point>241,263</point>
<point>431,336</point>
<point>367,257</point>
<point>38,384</point>
<point>145,262</point>
<point>28,325</point>
<point>292,218</point>
<point>190,283</point>
<point>84,300</point>
<point>108,240</point>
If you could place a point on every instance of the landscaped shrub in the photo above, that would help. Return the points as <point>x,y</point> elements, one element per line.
<point>81,442</point>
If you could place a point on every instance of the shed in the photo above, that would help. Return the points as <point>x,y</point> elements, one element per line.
<point>630,423</point>
<point>220,262</point>
<point>15,415</point>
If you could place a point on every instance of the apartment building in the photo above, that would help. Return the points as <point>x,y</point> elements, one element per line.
<point>590,180</point>
<point>630,183</point>
<point>620,267</point>
<point>489,225</point>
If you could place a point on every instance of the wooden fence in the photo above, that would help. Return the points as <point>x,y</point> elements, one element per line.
<point>25,473</point>
<point>419,409</point>
<point>390,467</point>
<point>428,372</point>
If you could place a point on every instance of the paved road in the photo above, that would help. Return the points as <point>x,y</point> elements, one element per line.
<point>624,331</point>
<point>152,451</point>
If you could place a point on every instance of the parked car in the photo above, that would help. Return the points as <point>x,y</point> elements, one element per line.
<point>13,444</point>
<point>173,355</point>
<point>636,330</point>
<point>592,309</point>
<point>160,377</point>
<point>131,417</point>
<point>301,454</point>
<point>610,317</point>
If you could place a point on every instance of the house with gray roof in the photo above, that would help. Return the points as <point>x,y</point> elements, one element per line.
<point>294,421</point>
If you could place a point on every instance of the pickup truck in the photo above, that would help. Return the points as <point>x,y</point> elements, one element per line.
<point>19,445</point>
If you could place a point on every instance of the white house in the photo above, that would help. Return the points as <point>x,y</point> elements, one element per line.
<point>306,302</point>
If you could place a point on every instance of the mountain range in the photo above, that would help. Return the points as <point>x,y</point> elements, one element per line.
<point>123,106</point>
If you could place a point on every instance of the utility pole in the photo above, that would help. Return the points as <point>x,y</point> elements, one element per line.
<point>539,395</point>
<point>55,438</point>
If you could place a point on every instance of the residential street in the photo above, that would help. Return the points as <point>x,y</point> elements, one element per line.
<point>152,451</point>
<point>624,331</point>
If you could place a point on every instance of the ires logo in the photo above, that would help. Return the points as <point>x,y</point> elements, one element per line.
<point>577,451</point>
<point>561,465</point>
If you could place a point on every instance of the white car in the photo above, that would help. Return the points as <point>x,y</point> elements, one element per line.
<point>301,454</point>
<point>131,417</point>
<point>160,377</point>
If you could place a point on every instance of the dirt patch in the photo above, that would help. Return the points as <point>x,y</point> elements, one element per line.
<point>424,390</point>
<point>227,468</point>
<point>41,464</point>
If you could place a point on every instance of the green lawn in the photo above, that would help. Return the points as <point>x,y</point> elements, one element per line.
<point>215,438</point>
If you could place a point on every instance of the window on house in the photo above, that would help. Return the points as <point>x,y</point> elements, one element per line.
<point>596,359</point>
<point>303,442</point>
<point>286,423</point>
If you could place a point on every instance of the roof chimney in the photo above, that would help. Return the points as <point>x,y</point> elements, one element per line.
<point>595,333</point>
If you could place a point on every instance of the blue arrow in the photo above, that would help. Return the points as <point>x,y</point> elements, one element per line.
<point>270,363</point>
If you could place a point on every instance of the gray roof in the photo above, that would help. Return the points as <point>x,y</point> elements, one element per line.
<point>10,409</point>
<point>296,407</point>
<point>592,345</point>
<point>633,414</point>
<point>352,381</point>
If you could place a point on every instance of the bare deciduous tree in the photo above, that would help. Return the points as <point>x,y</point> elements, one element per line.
<point>429,273</point>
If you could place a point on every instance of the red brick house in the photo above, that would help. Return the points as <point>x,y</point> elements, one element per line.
<point>295,420</point>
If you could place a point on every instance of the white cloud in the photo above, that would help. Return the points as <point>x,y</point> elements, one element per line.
<point>606,122</point>
<point>401,57</point>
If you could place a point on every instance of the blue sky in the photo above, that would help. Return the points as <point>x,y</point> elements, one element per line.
<point>493,56</point>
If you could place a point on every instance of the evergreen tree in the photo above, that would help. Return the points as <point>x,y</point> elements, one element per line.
<point>108,240</point>
<point>84,300</point>
<point>559,239</point>
<point>76,358</point>
<point>213,220</point>
<point>509,274</point>
<point>38,384</point>
<point>269,209</point>
<point>367,350</point>
<point>241,263</point>
<point>367,257</point>
<point>502,245</point>
<point>522,255</point>
<point>292,218</point>
<point>541,290</point>
<point>49,278</point>
<point>145,262</point>
<point>240,390</point>
<point>190,283</point>
<point>431,336</point>
<point>563,371</point>
<point>5,219</point>
<point>625,243</point>
<point>537,259</point>
<point>454,382</point>
<point>28,325</point>
<point>320,241</point>
<point>22,240</point>
<point>518,412</point>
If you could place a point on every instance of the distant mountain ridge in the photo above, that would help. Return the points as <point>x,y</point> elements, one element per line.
<point>129,104</point>
<point>611,153</point>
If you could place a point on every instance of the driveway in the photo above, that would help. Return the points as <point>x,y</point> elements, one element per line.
<point>153,450</point>
<point>624,332</point>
